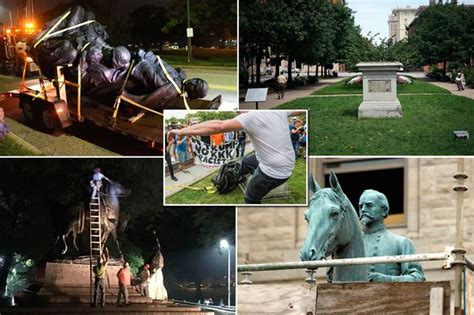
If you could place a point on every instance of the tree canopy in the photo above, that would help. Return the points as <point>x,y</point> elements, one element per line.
<point>313,32</point>
<point>443,33</point>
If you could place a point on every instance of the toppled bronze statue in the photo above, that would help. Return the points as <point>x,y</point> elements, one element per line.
<point>75,37</point>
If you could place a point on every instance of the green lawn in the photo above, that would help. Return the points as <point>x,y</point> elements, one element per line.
<point>418,86</point>
<point>296,183</point>
<point>10,147</point>
<point>426,127</point>
<point>217,77</point>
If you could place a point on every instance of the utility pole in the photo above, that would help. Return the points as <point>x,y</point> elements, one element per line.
<point>189,33</point>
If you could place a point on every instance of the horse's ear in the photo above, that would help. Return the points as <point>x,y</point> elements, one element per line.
<point>313,184</point>
<point>334,182</point>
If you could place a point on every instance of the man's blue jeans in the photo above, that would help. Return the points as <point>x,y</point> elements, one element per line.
<point>296,147</point>
<point>260,184</point>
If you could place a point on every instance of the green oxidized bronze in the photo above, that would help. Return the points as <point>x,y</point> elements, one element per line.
<point>334,230</point>
<point>378,241</point>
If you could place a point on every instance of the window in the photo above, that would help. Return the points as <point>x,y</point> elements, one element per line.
<point>388,176</point>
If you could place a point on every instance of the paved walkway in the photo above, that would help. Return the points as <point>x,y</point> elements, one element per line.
<point>468,92</point>
<point>291,94</point>
<point>192,175</point>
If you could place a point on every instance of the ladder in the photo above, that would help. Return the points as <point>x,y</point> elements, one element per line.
<point>94,227</point>
<point>95,236</point>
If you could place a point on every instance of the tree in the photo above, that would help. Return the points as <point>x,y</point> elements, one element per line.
<point>213,21</point>
<point>147,23</point>
<point>443,33</point>
<point>313,32</point>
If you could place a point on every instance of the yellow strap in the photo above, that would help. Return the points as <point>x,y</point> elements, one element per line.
<point>209,189</point>
<point>85,46</point>
<point>70,28</point>
<point>167,75</point>
<point>52,28</point>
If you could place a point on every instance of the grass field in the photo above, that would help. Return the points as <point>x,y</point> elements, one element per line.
<point>9,147</point>
<point>417,86</point>
<point>296,183</point>
<point>202,57</point>
<point>426,127</point>
<point>217,77</point>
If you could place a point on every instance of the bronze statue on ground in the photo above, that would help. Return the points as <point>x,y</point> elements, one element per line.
<point>75,37</point>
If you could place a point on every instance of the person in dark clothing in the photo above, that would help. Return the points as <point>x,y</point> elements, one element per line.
<point>168,160</point>
<point>295,132</point>
<point>100,272</point>
<point>241,147</point>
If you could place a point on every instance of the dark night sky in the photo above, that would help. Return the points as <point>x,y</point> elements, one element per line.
<point>43,5</point>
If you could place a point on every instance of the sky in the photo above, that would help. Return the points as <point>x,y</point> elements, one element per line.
<point>372,15</point>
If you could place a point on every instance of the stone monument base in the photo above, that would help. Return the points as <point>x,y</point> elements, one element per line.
<point>68,281</point>
<point>280,192</point>
<point>380,109</point>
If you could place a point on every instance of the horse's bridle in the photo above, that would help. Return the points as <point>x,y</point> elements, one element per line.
<point>345,205</point>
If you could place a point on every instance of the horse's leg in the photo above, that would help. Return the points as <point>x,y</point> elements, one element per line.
<point>114,235</point>
<point>65,244</point>
<point>74,237</point>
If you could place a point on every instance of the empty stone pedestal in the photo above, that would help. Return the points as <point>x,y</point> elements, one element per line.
<point>380,90</point>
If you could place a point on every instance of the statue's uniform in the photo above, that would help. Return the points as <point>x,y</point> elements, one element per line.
<point>381,242</point>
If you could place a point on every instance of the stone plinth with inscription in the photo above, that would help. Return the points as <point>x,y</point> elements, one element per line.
<point>380,90</point>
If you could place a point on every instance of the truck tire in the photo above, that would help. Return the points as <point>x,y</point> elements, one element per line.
<point>28,112</point>
<point>48,120</point>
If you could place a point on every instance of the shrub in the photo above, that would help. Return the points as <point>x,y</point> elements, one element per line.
<point>469,79</point>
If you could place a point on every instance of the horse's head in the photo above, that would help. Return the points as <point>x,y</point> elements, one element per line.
<point>115,188</point>
<point>325,216</point>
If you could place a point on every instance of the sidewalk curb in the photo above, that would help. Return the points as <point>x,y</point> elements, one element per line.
<point>24,143</point>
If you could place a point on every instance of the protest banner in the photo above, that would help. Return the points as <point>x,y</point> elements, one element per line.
<point>214,156</point>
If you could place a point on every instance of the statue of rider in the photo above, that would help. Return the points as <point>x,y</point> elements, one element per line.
<point>378,241</point>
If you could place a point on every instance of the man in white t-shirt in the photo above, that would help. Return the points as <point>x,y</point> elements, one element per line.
<point>274,158</point>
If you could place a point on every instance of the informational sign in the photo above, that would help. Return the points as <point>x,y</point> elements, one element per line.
<point>211,155</point>
<point>256,95</point>
<point>190,32</point>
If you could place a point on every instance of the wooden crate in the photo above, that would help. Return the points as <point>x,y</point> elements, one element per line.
<point>345,298</point>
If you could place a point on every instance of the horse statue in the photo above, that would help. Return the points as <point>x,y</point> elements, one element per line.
<point>334,230</point>
<point>110,217</point>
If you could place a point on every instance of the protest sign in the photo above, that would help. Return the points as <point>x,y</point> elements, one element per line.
<point>210,155</point>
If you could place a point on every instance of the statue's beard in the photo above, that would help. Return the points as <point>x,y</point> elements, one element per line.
<point>366,219</point>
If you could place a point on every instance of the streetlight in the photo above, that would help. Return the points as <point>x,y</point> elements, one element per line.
<point>225,244</point>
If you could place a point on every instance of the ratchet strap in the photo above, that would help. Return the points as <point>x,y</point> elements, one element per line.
<point>168,76</point>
